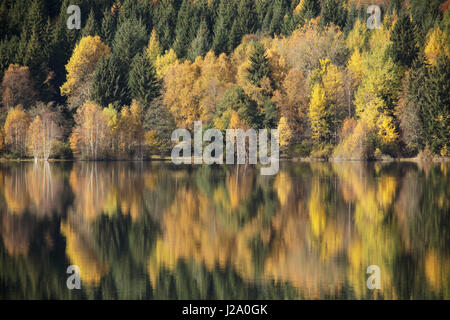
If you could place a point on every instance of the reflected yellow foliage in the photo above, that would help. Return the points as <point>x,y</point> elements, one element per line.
<point>80,253</point>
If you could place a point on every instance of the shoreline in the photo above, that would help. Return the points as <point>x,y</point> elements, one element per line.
<point>283,159</point>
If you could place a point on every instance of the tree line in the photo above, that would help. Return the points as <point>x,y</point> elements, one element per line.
<point>137,70</point>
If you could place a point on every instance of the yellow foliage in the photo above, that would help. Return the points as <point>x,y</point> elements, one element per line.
<point>82,64</point>
<point>317,211</point>
<point>16,126</point>
<point>317,109</point>
<point>283,187</point>
<point>285,132</point>
<point>386,130</point>
<point>164,62</point>
<point>154,49</point>
<point>436,45</point>
<point>355,66</point>
<point>34,137</point>
<point>81,254</point>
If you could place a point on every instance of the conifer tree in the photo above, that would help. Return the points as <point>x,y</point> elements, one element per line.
<point>182,30</point>
<point>403,49</point>
<point>109,26</point>
<point>201,43</point>
<point>131,38</point>
<point>333,11</point>
<point>142,81</point>
<point>259,65</point>
<point>223,26</point>
<point>110,83</point>
<point>90,28</point>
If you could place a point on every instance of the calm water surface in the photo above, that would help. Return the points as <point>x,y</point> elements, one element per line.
<point>158,231</point>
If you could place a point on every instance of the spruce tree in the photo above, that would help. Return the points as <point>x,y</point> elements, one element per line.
<point>166,16</point>
<point>270,114</point>
<point>142,82</point>
<point>90,28</point>
<point>434,106</point>
<point>309,10</point>
<point>277,17</point>
<point>182,30</point>
<point>223,26</point>
<point>333,11</point>
<point>259,65</point>
<point>403,49</point>
<point>131,38</point>
<point>110,83</point>
<point>201,43</point>
<point>246,21</point>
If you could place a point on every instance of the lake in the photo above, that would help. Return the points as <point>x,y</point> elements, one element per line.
<point>153,230</point>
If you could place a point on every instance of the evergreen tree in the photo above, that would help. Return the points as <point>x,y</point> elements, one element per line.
<point>245,22</point>
<point>166,17</point>
<point>8,50</point>
<point>131,38</point>
<point>201,43</point>
<point>142,81</point>
<point>403,49</point>
<point>223,26</point>
<point>270,114</point>
<point>110,84</point>
<point>394,6</point>
<point>309,9</point>
<point>277,17</point>
<point>424,14</point>
<point>333,11</point>
<point>235,99</point>
<point>109,26</point>
<point>259,65</point>
<point>90,28</point>
<point>182,30</point>
<point>434,101</point>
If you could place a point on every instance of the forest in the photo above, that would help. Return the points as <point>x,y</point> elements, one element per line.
<point>137,69</point>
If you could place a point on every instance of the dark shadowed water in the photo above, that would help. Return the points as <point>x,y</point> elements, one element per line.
<point>158,231</point>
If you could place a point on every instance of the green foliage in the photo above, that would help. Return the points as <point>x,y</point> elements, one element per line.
<point>130,39</point>
<point>236,99</point>
<point>333,11</point>
<point>110,83</point>
<point>259,65</point>
<point>434,101</point>
<point>90,28</point>
<point>142,81</point>
<point>201,43</point>
<point>403,38</point>
<point>270,115</point>
<point>264,41</point>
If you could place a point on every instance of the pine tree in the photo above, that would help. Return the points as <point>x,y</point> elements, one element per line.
<point>142,81</point>
<point>277,17</point>
<point>62,43</point>
<point>403,49</point>
<point>259,65</point>
<point>109,26</point>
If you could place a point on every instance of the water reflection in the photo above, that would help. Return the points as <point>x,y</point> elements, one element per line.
<point>156,231</point>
